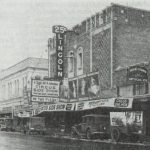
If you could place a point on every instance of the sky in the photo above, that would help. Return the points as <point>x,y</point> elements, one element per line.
<point>26,25</point>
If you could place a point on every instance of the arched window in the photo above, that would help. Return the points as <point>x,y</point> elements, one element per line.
<point>71,64</point>
<point>80,61</point>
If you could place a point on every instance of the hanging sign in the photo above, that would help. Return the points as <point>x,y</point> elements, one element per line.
<point>137,74</point>
<point>59,31</point>
<point>45,88</point>
<point>45,99</point>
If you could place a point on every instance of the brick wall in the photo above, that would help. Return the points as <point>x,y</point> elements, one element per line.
<point>131,36</point>
<point>101,56</point>
<point>131,39</point>
<point>73,43</point>
<point>53,65</point>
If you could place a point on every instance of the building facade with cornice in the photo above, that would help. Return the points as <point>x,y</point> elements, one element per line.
<point>15,84</point>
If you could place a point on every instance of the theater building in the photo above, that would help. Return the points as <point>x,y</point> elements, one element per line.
<point>94,51</point>
<point>116,37</point>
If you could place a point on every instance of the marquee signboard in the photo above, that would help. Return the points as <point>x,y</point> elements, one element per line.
<point>86,105</point>
<point>59,31</point>
<point>137,74</point>
<point>54,107</point>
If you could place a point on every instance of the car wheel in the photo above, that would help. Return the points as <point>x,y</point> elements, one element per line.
<point>115,134</point>
<point>72,133</point>
<point>134,138</point>
<point>88,134</point>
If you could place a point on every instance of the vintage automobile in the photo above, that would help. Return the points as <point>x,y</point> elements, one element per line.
<point>92,125</point>
<point>37,130</point>
<point>126,126</point>
<point>6,124</point>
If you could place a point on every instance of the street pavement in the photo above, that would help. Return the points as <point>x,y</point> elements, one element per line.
<point>20,141</point>
<point>17,141</point>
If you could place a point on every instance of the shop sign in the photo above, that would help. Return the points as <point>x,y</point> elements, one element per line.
<point>59,30</point>
<point>123,119</point>
<point>45,88</point>
<point>44,99</point>
<point>6,110</point>
<point>137,74</point>
<point>24,114</point>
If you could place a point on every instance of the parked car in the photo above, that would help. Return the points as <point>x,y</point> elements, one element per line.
<point>92,125</point>
<point>6,124</point>
<point>36,126</point>
<point>37,130</point>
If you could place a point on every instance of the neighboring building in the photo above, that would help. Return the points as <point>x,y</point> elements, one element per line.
<point>15,84</point>
<point>119,36</point>
<point>134,81</point>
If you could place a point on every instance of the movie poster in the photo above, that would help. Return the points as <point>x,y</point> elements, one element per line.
<point>133,120</point>
<point>93,86</point>
<point>73,90</point>
<point>83,88</point>
<point>64,90</point>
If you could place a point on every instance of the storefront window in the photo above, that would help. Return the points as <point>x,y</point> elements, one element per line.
<point>140,89</point>
<point>125,91</point>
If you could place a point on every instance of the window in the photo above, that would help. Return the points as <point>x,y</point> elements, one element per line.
<point>18,87</point>
<point>15,88</point>
<point>10,89</point>
<point>88,24</point>
<point>140,89</point>
<point>71,64</point>
<point>80,61</point>
<point>125,91</point>
<point>100,19</point>
<point>3,91</point>
<point>93,22</point>
<point>97,20</point>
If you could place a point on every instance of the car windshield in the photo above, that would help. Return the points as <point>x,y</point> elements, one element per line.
<point>93,119</point>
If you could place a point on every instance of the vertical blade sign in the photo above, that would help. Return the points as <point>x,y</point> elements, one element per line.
<point>60,31</point>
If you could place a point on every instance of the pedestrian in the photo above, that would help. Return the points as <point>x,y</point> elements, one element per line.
<point>24,129</point>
